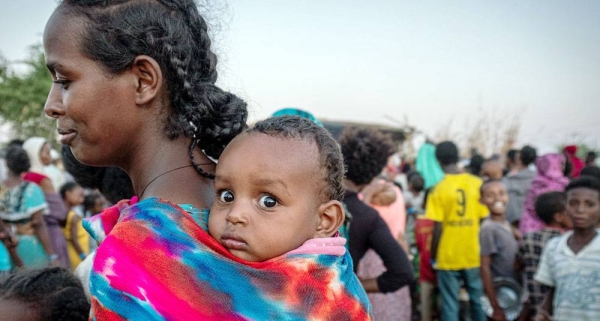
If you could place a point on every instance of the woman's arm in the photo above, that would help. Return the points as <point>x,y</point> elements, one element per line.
<point>75,221</point>
<point>488,288</point>
<point>398,268</point>
<point>42,234</point>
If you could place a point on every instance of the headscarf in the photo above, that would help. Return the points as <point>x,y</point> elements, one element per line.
<point>549,178</point>
<point>428,166</point>
<point>577,163</point>
<point>33,146</point>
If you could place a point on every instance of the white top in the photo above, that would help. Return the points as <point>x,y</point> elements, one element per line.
<point>575,277</point>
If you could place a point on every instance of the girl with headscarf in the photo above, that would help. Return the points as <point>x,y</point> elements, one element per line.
<point>38,151</point>
<point>549,178</point>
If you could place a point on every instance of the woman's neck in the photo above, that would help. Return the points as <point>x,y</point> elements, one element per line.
<point>13,180</point>
<point>162,171</point>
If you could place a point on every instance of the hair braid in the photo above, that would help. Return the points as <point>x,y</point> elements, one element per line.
<point>176,36</point>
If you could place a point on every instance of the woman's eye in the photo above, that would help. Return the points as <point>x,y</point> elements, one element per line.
<point>226,196</point>
<point>267,201</point>
<point>62,82</point>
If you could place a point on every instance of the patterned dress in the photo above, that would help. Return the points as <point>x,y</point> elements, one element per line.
<point>156,262</point>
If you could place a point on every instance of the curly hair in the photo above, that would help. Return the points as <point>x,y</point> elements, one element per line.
<point>331,160</point>
<point>548,204</point>
<point>174,34</point>
<point>447,154</point>
<point>366,153</point>
<point>527,155</point>
<point>51,293</point>
<point>17,159</point>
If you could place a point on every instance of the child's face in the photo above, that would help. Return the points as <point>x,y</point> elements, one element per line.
<point>268,193</point>
<point>98,205</point>
<point>495,197</point>
<point>583,207</point>
<point>96,111</point>
<point>74,197</point>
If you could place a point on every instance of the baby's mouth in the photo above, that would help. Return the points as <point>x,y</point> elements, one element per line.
<point>233,242</point>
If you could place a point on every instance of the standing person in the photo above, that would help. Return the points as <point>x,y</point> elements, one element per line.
<point>134,88</point>
<point>395,305</point>
<point>454,206</point>
<point>517,184</point>
<point>365,155</point>
<point>427,278</point>
<point>551,209</point>
<point>498,243</point>
<point>549,178</point>
<point>75,234</point>
<point>511,164</point>
<point>569,264</point>
<point>38,151</point>
<point>576,163</point>
<point>22,209</point>
<point>590,159</point>
<point>428,166</point>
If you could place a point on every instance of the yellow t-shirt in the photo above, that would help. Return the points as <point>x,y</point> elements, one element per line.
<point>454,202</point>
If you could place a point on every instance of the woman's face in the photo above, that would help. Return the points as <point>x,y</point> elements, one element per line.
<point>95,110</point>
<point>45,157</point>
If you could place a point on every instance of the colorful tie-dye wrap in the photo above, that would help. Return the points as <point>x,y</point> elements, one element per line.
<point>156,263</point>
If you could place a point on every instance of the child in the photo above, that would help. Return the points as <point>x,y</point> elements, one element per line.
<point>498,243</point>
<point>551,209</point>
<point>46,294</point>
<point>569,264</point>
<point>279,187</point>
<point>76,236</point>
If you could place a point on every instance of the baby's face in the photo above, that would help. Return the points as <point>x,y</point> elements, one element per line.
<point>267,196</point>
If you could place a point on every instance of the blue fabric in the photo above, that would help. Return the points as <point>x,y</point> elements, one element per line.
<point>449,285</point>
<point>428,166</point>
<point>5,262</point>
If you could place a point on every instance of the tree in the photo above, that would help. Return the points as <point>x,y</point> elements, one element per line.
<point>23,95</point>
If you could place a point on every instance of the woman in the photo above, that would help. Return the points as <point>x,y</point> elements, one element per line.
<point>549,178</point>
<point>22,209</point>
<point>134,88</point>
<point>365,154</point>
<point>55,216</point>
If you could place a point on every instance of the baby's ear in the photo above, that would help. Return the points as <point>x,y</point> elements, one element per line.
<point>331,217</point>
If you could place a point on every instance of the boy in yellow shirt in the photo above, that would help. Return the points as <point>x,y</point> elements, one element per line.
<point>453,204</point>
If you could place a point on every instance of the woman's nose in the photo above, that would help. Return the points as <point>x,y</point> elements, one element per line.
<point>53,106</point>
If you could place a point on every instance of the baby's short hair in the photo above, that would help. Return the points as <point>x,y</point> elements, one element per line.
<point>330,161</point>
<point>548,204</point>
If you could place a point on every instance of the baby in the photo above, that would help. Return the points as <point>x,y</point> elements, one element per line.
<point>278,189</point>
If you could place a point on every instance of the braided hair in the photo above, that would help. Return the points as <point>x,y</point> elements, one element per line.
<point>50,294</point>
<point>174,34</point>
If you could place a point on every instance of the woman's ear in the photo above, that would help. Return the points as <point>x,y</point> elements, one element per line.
<point>331,217</point>
<point>149,79</point>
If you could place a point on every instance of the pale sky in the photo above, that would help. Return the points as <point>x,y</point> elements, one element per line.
<point>429,62</point>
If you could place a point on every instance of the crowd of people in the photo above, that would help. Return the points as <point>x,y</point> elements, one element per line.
<point>163,204</point>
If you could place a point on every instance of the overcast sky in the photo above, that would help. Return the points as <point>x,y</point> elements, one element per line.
<point>425,61</point>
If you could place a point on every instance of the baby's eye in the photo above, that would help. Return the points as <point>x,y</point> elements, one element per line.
<point>267,201</point>
<point>226,196</point>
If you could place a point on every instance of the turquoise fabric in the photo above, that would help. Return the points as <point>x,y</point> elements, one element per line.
<point>428,166</point>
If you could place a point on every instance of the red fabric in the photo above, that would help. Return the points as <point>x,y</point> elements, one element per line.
<point>34,177</point>
<point>423,234</point>
<point>577,163</point>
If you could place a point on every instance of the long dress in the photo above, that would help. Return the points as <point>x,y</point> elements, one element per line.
<point>19,204</point>
<point>395,305</point>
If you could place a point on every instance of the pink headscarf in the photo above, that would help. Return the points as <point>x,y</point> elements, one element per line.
<point>549,178</point>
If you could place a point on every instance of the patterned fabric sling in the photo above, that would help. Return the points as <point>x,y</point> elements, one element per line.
<point>156,262</point>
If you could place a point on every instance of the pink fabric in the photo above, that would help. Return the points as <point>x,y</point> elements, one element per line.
<point>394,214</point>
<point>549,178</point>
<point>325,245</point>
<point>394,306</point>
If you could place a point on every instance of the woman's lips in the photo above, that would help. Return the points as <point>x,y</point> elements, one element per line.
<point>66,136</point>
